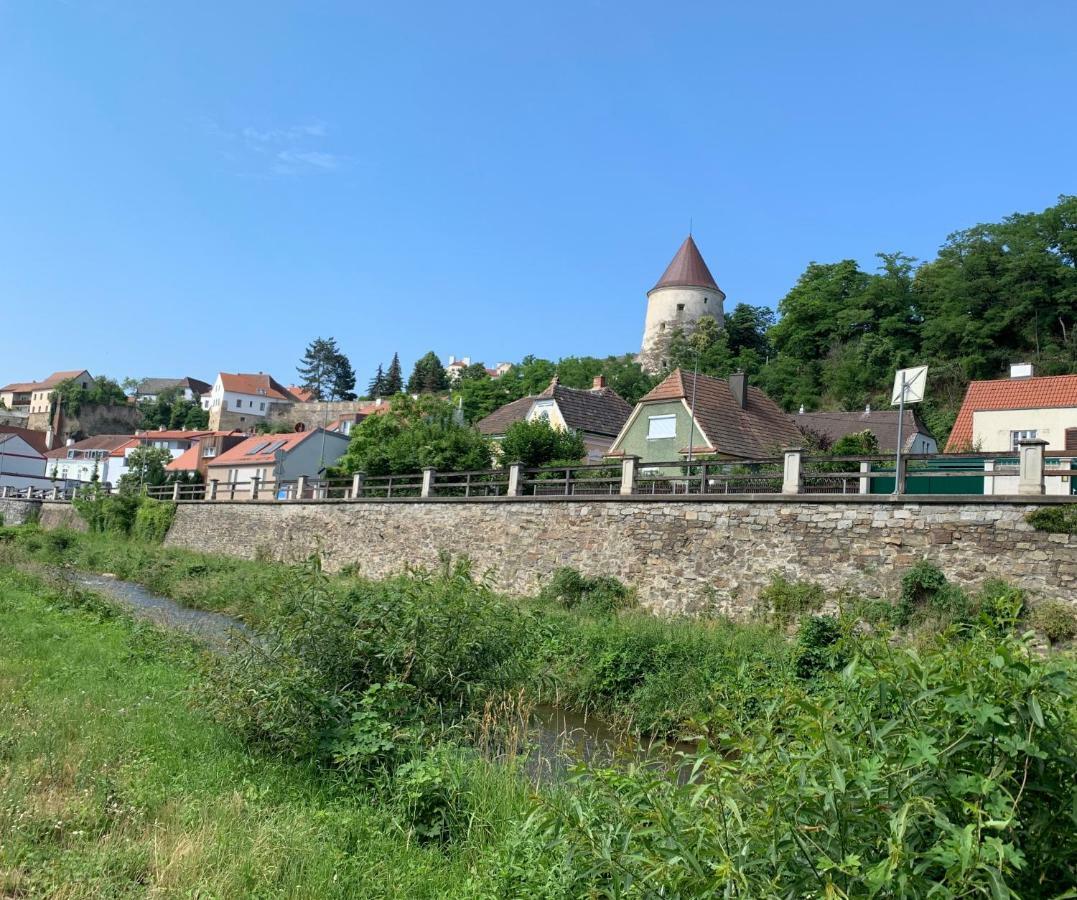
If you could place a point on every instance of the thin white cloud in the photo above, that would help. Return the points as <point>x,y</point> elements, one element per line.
<point>290,150</point>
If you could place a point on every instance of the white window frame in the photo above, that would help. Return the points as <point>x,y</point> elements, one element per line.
<point>652,421</point>
<point>1028,434</point>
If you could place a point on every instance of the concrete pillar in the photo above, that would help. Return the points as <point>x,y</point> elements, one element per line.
<point>428,482</point>
<point>212,489</point>
<point>175,491</point>
<point>55,493</point>
<point>989,477</point>
<point>300,487</point>
<point>865,481</point>
<point>629,474</point>
<point>3,491</point>
<point>1030,466</point>
<point>791,471</point>
<point>357,484</point>
<point>516,485</point>
<point>254,488</point>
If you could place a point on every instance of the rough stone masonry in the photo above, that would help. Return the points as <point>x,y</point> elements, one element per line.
<point>681,555</point>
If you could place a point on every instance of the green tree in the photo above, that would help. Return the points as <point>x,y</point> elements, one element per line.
<point>326,372</point>
<point>376,388</point>
<point>428,376</point>
<point>394,377</point>
<point>145,468</point>
<point>412,435</point>
<point>537,443</point>
<point>475,372</point>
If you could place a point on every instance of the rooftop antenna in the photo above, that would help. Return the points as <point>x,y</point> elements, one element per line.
<point>689,226</point>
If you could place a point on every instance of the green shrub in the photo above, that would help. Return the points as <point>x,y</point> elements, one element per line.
<point>600,595</point>
<point>1056,519</point>
<point>107,513</point>
<point>819,646</point>
<point>1000,606</point>
<point>1056,619</point>
<point>152,520</point>
<point>946,773</point>
<point>333,668</point>
<point>787,600</point>
<point>926,594</point>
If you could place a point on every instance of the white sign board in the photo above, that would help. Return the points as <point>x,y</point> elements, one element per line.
<point>914,383</point>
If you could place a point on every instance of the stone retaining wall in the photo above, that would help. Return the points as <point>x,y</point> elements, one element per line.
<point>18,512</point>
<point>683,555</point>
<point>56,514</point>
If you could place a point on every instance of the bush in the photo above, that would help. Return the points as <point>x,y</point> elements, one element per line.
<point>355,677</point>
<point>926,594</point>
<point>600,595</point>
<point>152,520</point>
<point>819,646</point>
<point>1056,619</point>
<point>947,773</point>
<point>788,600</point>
<point>1056,519</point>
<point>107,513</point>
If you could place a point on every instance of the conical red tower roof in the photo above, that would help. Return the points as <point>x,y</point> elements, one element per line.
<point>687,269</point>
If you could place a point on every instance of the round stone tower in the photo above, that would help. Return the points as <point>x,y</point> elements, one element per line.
<point>685,292</point>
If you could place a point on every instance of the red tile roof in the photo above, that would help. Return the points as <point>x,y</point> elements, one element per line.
<point>175,434</point>
<point>240,454</point>
<point>35,439</point>
<point>108,442</point>
<point>760,429</point>
<point>187,461</point>
<point>687,269</point>
<point>302,394</point>
<point>256,385</point>
<point>54,379</point>
<point>1044,392</point>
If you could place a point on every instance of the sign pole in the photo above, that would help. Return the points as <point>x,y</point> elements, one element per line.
<point>901,422</point>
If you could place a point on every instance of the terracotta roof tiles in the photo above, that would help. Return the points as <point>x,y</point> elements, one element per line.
<point>1043,392</point>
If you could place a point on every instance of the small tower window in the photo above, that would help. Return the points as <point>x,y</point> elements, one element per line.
<point>704,301</point>
<point>680,307</point>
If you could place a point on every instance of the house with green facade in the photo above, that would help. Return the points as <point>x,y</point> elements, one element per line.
<point>705,417</point>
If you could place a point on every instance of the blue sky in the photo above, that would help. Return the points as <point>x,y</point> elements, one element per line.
<point>191,187</point>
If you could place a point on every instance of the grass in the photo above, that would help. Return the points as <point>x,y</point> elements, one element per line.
<point>112,785</point>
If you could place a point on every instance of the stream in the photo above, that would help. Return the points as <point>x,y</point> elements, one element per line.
<point>557,738</point>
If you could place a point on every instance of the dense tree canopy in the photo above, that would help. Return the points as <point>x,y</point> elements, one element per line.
<point>994,294</point>
<point>538,443</point>
<point>412,435</point>
<point>428,376</point>
<point>171,410</point>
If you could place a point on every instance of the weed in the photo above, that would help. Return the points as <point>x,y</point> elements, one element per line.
<point>600,595</point>
<point>786,601</point>
<point>1056,619</point>
<point>1055,519</point>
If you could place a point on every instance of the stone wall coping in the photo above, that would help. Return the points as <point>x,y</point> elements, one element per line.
<point>882,500</point>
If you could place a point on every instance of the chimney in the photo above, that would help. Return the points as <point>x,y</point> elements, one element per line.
<point>739,386</point>
<point>599,383</point>
<point>452,359</point>
<point>70,442</point>
<point>50,439</point>
<point>1020,370</point>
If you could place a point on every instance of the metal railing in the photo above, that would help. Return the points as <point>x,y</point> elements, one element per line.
<point>571,481</point>
<point>1028,471</point>
<point>759,476</point>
